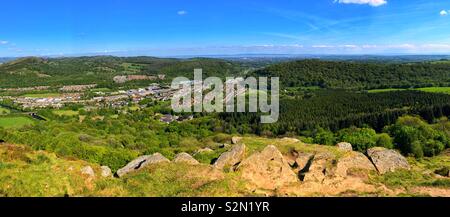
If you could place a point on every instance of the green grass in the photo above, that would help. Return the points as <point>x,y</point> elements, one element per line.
<point>445,90</point>
<point>418,176</point>
<point>24,172</point>
<point>65,113</point>
<point>15,122</point>
<point>134,108</point>
<point>385,90</point>
<point>4,111</point>
<point>41,95</point>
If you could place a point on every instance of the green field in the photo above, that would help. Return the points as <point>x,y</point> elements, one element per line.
<point>385,90</point>
<point>4,111</point>
<point>65,112</point>
<point>445,90</point>
<point>41,95</point>
<point>15,122</point>
<point>101,90</point>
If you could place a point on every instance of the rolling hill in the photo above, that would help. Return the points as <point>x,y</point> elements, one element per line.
<point>34,71</point>
<point>359,75</point>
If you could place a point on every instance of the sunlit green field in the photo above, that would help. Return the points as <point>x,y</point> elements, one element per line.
<point>15,122</point>
<point>65,112</point>
<point>42,95</point>
<point>384,90</point>
<point>445,90</point>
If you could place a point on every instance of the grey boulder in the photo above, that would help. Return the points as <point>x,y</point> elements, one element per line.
<point>141,162</point>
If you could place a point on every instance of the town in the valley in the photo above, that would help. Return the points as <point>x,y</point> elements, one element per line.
<point>90,96</point>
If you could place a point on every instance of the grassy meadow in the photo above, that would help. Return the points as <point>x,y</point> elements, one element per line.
<point>15,121</point>
<point>41,95</point>
<point>69,113</point>
<point>445,90</point>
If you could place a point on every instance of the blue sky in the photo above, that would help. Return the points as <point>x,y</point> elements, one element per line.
<point>210,27</point>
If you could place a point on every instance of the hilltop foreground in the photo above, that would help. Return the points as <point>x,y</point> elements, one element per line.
<point>253,166</point>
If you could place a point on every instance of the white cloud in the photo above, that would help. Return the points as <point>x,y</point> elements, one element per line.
<point>443,13</point>
<point>349,46</point>
<point>3,42</point>
<point>368,46</point>
<point>402,46</point>
<point>436,46</point>
<point>373,3</point>
<point>323,46</point>
<point>182,13</point>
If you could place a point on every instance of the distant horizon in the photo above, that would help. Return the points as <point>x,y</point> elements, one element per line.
<point>242,55</point>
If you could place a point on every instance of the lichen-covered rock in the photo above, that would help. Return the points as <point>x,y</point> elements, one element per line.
<point>344,146</point>
<point>235,140</point>
<point>185,158</point>
<point>203,150</point>
<point>353,160</point>
<point>319,167</point>
<point>231,158</point>
<point>267,169</point>
<point>106,172</point>
<point>87,170</point>
<point>387,160</point>
<point>302,160</point>
<point>141,162</point>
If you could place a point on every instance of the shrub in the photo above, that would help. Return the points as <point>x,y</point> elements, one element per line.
<point>384,140</point>
<point>413,136</point>
<point>360,138</point>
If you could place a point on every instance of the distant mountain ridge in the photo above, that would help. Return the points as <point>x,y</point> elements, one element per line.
<point>6,59</point>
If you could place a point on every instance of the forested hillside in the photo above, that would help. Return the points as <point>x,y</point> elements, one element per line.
<point>336,110</point>
<point>35,71</point>
<point>351,75</point>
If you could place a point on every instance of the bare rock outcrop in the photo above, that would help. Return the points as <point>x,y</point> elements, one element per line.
<point>387,160</point>
<point>267,169</point>
<point>344,146</point>
<point>231,158</point>
<point>203,150</point>
<point>318,168</point>
<point>353,160</point>
<point>141,162</point>
<point>87,170</point>
<point>106,172</point>
<point>299,160</point>
<point>185,158</point>
<point>235,140</point>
